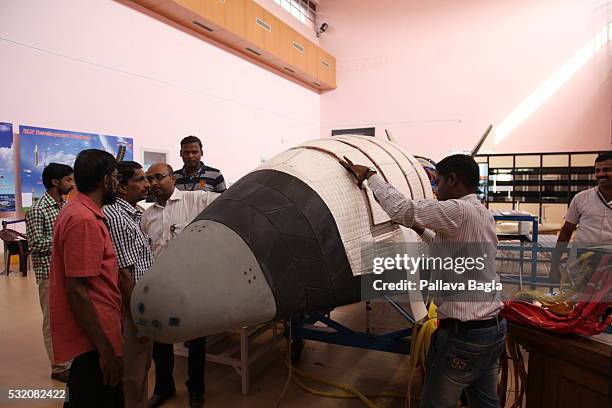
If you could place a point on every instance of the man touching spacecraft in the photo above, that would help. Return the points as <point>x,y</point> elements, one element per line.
<point>470,338</point>
<point>163,222</point>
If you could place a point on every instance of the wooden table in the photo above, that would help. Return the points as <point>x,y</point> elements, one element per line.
<point>240,357</point>
<point>566,371</point>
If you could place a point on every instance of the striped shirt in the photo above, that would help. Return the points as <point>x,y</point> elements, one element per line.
<point>463,220</point>
<point>132,245</point>
<point>206,179</point>
<point>39,230</point>
<point>164,223</point>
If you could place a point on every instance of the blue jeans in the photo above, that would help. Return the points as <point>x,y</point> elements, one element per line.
<point>463,359</point>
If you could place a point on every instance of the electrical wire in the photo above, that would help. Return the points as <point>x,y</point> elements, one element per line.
<point>349,391</point>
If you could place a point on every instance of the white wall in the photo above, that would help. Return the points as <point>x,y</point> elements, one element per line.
<point>436,73</point>
<point>425,70</point>
<point>102,67</point>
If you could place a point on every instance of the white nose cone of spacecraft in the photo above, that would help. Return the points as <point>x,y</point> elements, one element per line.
<point>285,240</point>
<point>211,276</point>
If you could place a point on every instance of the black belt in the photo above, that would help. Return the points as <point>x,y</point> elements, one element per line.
<point>457,325</point>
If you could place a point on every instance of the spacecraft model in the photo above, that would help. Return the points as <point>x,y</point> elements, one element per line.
<point>121,153</point>
<point>287,239</point>
<point>36,156</point>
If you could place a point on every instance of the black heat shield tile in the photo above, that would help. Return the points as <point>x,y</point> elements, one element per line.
<point>294,237</point>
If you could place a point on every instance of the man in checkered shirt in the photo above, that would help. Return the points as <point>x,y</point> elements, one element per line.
<point>58,180</point>
<point>134,258</point>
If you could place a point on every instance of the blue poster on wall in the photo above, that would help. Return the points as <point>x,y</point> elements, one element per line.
<point>39,147</point>
<point>7,179</point>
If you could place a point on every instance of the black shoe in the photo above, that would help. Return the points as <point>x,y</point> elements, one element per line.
<point>196,399</point>
<point>157,400</point>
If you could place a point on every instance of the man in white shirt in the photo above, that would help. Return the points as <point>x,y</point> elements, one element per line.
<point>172,212</point>
<point>469,340</point>
<point>591,212</point>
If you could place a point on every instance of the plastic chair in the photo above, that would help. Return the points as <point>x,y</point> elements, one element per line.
<point>15,243</point>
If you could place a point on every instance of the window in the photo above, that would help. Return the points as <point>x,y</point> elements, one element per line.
<point>359,131</point>
<point>303,10</point>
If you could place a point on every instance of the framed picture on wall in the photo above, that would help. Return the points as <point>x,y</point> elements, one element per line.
<point>7,160</point>
<point>40,146</point>
<point>151,156</point>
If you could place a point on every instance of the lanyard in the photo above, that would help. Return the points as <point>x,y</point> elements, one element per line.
<point>197,176</point>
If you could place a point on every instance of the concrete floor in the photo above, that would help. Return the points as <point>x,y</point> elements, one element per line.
<point>25,366</point>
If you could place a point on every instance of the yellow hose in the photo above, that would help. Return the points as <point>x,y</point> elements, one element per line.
<point>421,339</point>
<point>549,300</point>
<point>350,391</point>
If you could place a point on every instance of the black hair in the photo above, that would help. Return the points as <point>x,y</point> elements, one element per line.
<point>90,167</point>
<point>126,170</point>
<point>55,171</point>
<point>191,139</point>
<point>603,156</point>
<point>464,167</point>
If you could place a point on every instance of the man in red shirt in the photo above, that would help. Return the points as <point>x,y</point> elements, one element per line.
<point>84,296</point>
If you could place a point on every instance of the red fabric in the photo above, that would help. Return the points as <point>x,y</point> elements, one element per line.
<point>82,248</point>
<point>586,317</point>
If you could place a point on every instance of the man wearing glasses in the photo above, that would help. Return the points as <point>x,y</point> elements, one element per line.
<point>172,212</point>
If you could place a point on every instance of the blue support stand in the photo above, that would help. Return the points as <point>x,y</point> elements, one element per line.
<point>332,332</point>
<point>530,246</point>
